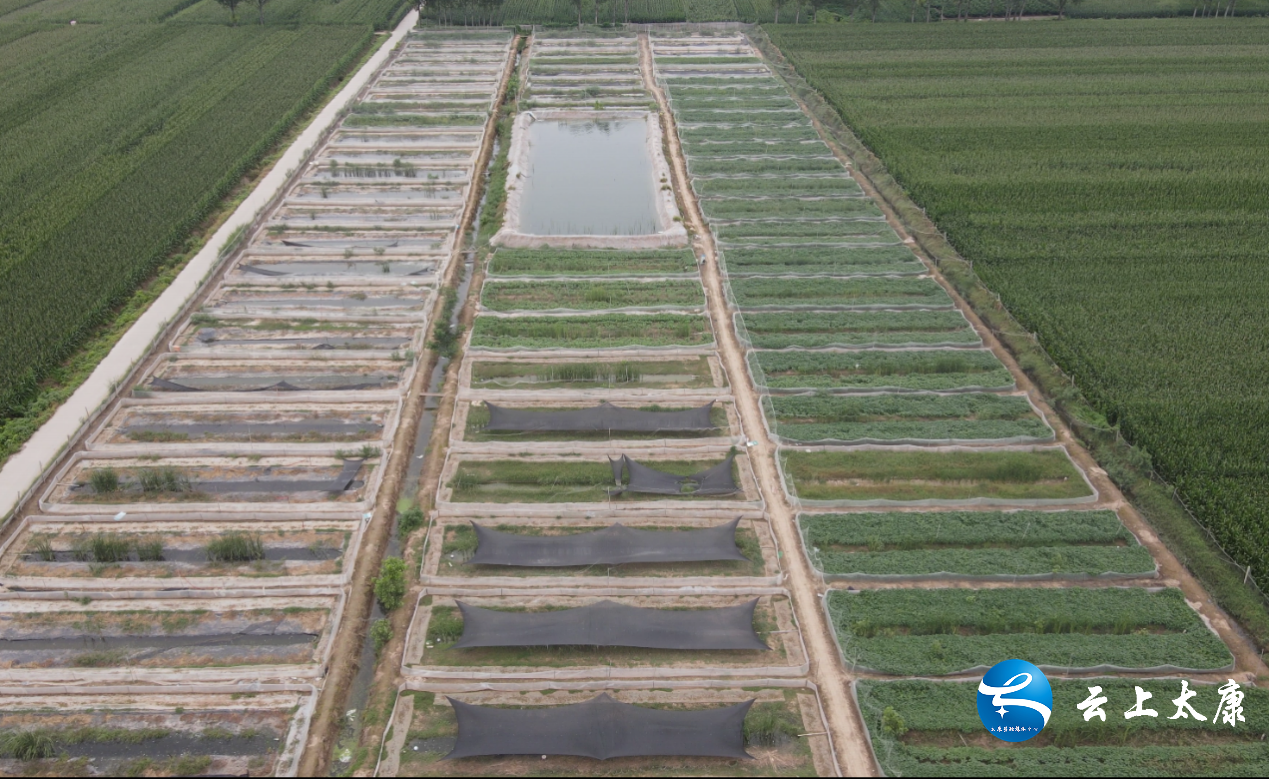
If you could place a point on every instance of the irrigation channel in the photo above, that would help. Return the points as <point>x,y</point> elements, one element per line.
<point>700,369</point>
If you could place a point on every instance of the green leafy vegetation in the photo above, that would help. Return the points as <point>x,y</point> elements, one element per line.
<point>602,331</point>
<point>938,727</point>
<point>819,329</point>
<point>973,543</point>
<point>390,585</point>
<point>515,481</point>
<point>380,635</point>
<point>907,416</point>
<point>829,292</point>
<point>687,373</point>
<point>931,632</point>
<point>591,295</point>
<point>931,370</point>
<point>1042,474</point>
<point>592,262</point>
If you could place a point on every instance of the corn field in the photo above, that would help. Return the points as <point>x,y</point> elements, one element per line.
<point>1110,183</point>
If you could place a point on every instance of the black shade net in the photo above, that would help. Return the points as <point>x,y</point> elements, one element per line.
<point>611,546</point>
<point>712,481</point>
<point>279,386</point>
<point>600,728</point>
<point>602,418</point>
<point>612,624</point>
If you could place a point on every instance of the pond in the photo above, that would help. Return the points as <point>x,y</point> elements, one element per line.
<point>589,178</point>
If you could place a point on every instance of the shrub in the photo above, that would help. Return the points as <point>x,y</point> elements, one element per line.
<point>409,519</point>
<point>390,585</point>
<point>892,724</point>
<point>380,634</point>
<point>28,745</point>
<point>104,481</point>
<point>235,548</point>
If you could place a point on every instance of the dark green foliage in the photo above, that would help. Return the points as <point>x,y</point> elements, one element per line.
<point>409,520</point>
<point>121,139</point>
<point>380,635</point>
<point>390,585</point>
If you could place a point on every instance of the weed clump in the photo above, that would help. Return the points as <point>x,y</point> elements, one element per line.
<point>390,585</point>
<point>380,634</point>
<point>104,481</point>
<point>27,745</point>
<point>235,548</point>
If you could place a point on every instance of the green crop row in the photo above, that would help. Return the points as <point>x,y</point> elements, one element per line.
<point>930,719</point>
<point>930,370</point>
<point>844,232</point>
<point>603,331</point>
<point>802,186</point>
<point>820,329</point>
<point>827,292</point>
<point>590,262</point>
<point>905,417</point>
<point>1016,543</point>
<point>516,481</point>
<point>789,208</point>
<point>817,260</point>
<point>934,632</point>
<point>903,476</point>
<point>590,295</point>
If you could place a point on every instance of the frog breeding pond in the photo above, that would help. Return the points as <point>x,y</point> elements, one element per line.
<point>588,178</point>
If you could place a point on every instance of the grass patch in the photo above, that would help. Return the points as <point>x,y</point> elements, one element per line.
<point>819,260</point>
<point>1044,474</point>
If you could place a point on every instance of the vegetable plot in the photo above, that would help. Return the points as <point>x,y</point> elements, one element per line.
<point>973,543</point>
<point>935,632</point>
<point>907,417</point>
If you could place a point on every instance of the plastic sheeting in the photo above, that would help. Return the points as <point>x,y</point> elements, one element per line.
<point>611,546</point>
<point>602,418</point>
<point>600,728</point>
<point>612,624</point>
<point>712,481</point>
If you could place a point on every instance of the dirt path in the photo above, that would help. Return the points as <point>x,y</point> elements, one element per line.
<point>1248,662</point>
<point>346,654</point>
<point>850,737</point>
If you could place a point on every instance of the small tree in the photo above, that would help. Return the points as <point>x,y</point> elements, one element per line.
<point>380,635</point>
<point>232,5</point>
<point>390,584</point>
<point>1062,5</point>
<point>892,723</point>
<point>260,8</point>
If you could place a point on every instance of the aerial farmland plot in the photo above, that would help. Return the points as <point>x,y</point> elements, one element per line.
<point>586,400</point>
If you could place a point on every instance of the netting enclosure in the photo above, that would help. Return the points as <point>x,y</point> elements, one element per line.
<point>600,728</point>
<point>281,386</point>
<point>712,481</point>
<point>612,624</point>
<point>613,545</point>
<point>602,418</point>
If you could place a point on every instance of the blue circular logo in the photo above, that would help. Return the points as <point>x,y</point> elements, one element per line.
<point>1014,700</point>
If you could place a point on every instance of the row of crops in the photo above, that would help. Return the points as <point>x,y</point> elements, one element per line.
<point>563,335</point>
<point>904,443</point>
<point>1149,302</point>
<point>120,138</point>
